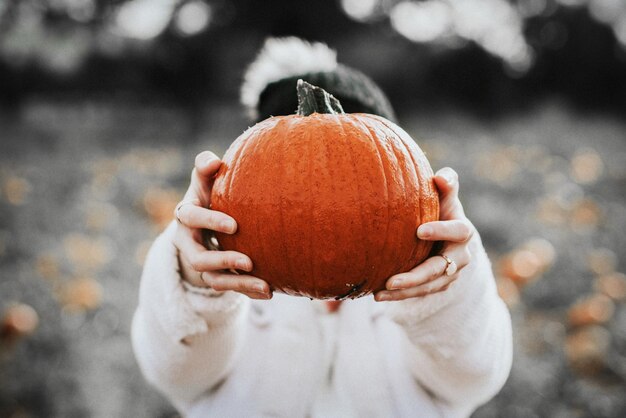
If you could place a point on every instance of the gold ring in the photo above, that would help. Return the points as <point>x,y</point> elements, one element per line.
<point>451,266</point>
<point>180,205</point>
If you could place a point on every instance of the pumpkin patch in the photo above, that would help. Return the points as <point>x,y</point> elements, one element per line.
<point>327,203</point>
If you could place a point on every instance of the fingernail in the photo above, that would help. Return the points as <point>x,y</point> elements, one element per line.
<point>259,288</point>
<point>381,297</point>
<point>449,177</point>
<point>396,283</point>
<point>424,231</point>
<point>228,225</point>
<point>209,160</point>
<point>242,264</point>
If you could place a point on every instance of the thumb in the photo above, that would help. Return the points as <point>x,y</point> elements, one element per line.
<point>447,182</point>
<point>206,167</point>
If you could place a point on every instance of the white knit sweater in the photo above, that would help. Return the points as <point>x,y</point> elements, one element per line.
<point>224,355</point>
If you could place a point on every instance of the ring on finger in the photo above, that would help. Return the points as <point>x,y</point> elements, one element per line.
<point>451,266</point>
<point>180,205</point>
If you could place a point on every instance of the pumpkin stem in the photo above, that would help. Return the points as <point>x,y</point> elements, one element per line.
<point>313,99</point>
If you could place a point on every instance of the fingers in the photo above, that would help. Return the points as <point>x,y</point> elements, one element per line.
<point>456,230</point>
<point>207,164</point>
<point>206,167</point>
<point>440,284</point>
<point>252,287</point>
<point>204,268</point>
<point>194,216</point>
<point>426,272</point>
<point>447,181</point>
<point>428,277</point>
<point>199,258</point>
<point>207,268</point>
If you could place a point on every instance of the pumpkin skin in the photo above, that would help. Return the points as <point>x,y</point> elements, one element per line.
<point>327,205</point>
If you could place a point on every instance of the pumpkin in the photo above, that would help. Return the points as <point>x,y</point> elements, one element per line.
<point>327,203</point>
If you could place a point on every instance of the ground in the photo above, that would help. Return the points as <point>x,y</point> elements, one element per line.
<point>86,186</point>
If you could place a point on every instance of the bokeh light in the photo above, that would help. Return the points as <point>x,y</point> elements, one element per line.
<point>193,17</point>
<point>17,321</point>
<point>572,3</point>
<point>421,22</point>
<point>144,19</point>
<point>495,25</point>
<point>360,10</point>
<point>619,29</point>
<point>587,349</point>
<point>606,11</point>
<point>594,309</point>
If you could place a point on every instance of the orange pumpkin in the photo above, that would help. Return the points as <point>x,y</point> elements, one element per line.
<point>327,203</point>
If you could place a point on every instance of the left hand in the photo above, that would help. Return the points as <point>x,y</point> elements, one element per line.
<point>454,229</point>
<point>210,268</point>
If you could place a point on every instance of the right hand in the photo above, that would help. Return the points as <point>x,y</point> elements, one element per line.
<point>200,266</point>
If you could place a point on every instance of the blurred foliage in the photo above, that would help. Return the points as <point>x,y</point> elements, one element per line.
<point>479,54</point>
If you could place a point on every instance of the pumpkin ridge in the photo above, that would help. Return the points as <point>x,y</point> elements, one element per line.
<point>312,245</point>
<point>420,184</point>
<point>276,143</point>
<point>234,161</point>
<point>404,161</point>
<point>403,149</point>
<point>394,240</point>
<point>423,183</point>
<point>258,246</point>
<point>229,173</point>
<point>377,145</point>
<point>281,152</point>
<point>365,252</point>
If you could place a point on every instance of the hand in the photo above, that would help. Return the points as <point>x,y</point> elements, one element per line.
<point>454,229</point>
<point>202,267</point>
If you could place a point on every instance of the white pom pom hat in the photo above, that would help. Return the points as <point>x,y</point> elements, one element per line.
<point>269,86</point>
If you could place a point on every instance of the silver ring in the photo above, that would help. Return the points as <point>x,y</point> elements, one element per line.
<point>181,204</point>
<point>451,266</point>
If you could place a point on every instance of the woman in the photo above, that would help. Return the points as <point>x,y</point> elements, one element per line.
<point>221,344</point>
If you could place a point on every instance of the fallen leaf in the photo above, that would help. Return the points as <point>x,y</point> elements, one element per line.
<point>47,266</point>
<point>602,261</point>
<point>522,266</point>
<point>586,166</point>
<point>87,253</point>
<point>159,204</point>
<point>18,320</point>
<point>508,291</point>
<point>586,349</point>
<point>594,309</point>
<point>612,284</point>
<point>586,213</point>
<point>142,251</point>
<point>81,294</point>
<point>16,190</point>
<point>99,216</point>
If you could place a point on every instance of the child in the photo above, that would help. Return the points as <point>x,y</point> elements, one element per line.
<point>221,344</point>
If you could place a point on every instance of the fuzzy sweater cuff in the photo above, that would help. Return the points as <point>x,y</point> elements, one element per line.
<point>182,310</point>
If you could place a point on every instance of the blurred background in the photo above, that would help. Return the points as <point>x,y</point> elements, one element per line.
<point>103,105</point>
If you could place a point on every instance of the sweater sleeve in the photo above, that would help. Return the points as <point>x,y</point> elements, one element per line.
<point>185,339</point>
<point>461,339</point>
